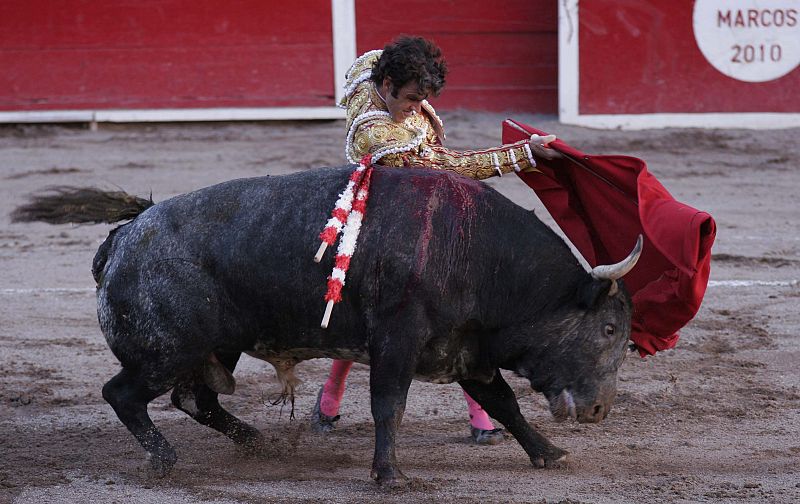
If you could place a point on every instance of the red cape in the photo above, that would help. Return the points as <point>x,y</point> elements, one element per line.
<point>602,203</point>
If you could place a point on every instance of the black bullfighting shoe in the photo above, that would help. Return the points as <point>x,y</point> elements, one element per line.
<point>487,436</point>
<point>320,422</point>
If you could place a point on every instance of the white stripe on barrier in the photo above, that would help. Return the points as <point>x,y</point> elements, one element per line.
<point>753,283</point>
<point>49,290</point>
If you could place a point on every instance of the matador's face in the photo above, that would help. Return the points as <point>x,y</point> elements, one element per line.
<point>407,103</point>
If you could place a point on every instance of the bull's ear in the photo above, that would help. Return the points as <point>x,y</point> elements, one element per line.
<point>592,291</point>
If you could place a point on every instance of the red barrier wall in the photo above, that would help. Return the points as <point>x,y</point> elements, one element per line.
<point>503,56</point>
<point>76,54</point>
<point>154,54</point>
<point>641,56</point>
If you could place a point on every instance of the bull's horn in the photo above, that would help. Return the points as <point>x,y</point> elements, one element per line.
<point>617,271</point>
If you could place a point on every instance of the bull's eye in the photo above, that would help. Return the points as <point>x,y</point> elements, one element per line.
<point>610,329</point>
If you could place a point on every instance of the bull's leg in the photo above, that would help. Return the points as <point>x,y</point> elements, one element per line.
<point>389,379</point>
<point>201,403</point>
<point>499,401</point>
<point>129,395</point>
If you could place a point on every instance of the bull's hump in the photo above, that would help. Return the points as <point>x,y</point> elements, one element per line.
<point>426,180</point>
<point>434,190</point>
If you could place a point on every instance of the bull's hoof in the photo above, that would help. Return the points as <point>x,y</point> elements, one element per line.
<point>252,443</point>
<point>161,465</point>
<point>390,478</point>
<point>244,434</point>
<point>554,458</point>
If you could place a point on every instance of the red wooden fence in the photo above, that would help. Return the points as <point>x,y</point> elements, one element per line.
<point>83,55</point>
<point>502,55</point>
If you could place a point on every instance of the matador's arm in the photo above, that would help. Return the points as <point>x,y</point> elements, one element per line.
<point>476,164</point>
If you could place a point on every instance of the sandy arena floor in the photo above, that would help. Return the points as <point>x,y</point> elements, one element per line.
<point>715,420</point>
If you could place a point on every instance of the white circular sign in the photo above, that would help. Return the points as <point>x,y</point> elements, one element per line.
<point>749,40</point>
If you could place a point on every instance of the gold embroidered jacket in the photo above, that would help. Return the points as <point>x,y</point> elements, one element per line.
<point>417,141</point>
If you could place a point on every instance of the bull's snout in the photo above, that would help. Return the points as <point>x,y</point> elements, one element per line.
<point>563,407</point>
<point>593,414</point>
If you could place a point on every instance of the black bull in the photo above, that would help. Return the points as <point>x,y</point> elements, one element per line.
<point>450,282</point>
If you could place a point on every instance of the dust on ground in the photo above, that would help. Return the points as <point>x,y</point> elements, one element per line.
<point>715,420</point>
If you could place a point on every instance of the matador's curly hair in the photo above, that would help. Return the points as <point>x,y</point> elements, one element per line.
<point>411,59</point>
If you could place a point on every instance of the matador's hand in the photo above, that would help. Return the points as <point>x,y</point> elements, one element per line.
<point>539,147</point>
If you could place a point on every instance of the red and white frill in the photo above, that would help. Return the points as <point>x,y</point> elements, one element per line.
<point>346,218</point>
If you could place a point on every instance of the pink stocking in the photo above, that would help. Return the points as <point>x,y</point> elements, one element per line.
<point>333,390</point>
<point>477,416</point>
